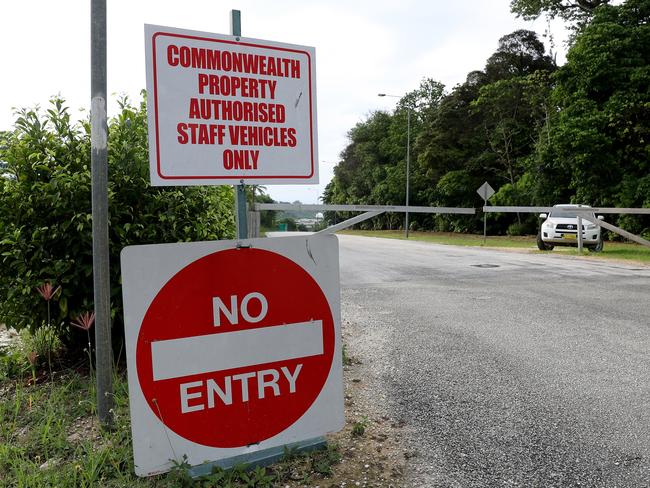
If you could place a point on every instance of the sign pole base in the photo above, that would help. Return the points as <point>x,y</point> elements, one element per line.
<point>260,458</point>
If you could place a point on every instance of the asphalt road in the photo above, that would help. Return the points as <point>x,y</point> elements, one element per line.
<point>508,369</point>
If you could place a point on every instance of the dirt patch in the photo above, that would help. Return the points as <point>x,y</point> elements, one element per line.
<point>84,429</point>
<point>369,444</point>
<point>7,337</point>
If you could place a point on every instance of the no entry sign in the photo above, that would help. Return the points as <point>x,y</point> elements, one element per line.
<point>231,350</point>
<point>224,109</point>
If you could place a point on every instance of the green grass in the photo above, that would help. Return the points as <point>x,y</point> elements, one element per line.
<point>54,422</point>
<point>450,238</point>
<point>612,250</point>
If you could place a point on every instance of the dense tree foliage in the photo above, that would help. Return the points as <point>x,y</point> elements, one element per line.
<point>598,143</point>
<point>45,211</point>
<point>483,129</point>
<point>579,11</point>
<point>540,135</point>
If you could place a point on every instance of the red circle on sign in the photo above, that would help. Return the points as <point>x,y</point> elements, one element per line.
<point>241,405</point>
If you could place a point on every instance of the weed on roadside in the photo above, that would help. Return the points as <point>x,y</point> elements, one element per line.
<point>359,427</point>
<point>347,360</point>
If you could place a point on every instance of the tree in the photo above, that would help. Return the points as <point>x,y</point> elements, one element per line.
<point>45,210</point>
<point>513,112</point>
<point>598,141</point>
<point>519,54</point>
<point>372,169</point>
<point>571,10</point>
<point>486,128</point>
<point>4,141</point>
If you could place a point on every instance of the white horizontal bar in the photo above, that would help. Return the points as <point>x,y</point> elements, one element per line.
<point>348,223</point>
<point>363,208</point>
<point>618,230</point>
<point>175,358</point>
<point>601,210</point>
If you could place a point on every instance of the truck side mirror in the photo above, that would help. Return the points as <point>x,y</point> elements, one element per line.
<point>600,217</point>
<point>543,216</point>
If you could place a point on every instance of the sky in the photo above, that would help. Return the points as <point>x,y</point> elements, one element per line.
<point>363,48</point>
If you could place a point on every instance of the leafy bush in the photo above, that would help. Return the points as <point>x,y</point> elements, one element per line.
<point>45,211</point>
<point>526,227</point>
<point>44,343</point>
<point>12,363</point>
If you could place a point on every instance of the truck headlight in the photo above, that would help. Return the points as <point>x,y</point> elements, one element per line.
<point>549,225</point>
<point>591,226</point>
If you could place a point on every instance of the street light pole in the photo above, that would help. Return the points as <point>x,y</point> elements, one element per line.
<point>408,168</point>
<point>408,160</point>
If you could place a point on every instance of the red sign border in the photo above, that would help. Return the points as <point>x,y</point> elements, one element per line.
<point>215,177</point>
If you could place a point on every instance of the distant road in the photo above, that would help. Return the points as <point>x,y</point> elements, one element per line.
<point>509,369</point>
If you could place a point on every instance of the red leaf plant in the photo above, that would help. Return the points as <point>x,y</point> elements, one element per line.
<point>47,291</point>
<point>84,321</point>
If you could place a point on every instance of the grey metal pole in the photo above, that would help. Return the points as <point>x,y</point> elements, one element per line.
<point>408,167</point>
<point>99,168</point>
<point>240,190</point>
<point>241,210</point>
<point>484,222</point>
<point>579,234</point>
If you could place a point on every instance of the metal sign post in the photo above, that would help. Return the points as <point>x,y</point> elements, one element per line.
<point>240,190</point>
<point>485,191</point>
<point>579,234</point>
<point>99,169</point>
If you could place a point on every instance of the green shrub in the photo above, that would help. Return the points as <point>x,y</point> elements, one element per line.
<point>359,427</point>
<point>45,211</point>
<point>12,363</point>
<point>517,229</point>
<point>45,342</point>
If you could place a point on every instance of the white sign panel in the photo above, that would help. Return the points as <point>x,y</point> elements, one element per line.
<point>224,109</point>
<point>231,350</point>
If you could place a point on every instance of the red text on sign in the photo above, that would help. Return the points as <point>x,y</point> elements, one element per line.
<point>236,86</point>
<point>242,135</point>
<point>207,108</point>
<point>213,59</point>
<point>240,159</point>
<point>201,133</point>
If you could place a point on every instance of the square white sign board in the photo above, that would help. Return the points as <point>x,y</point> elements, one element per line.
<point>223,109</point>
<point>231,350</point>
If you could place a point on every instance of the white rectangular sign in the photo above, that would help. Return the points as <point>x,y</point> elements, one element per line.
<point>214,352</point>
<point>223,109</point>
<point>231,350</point>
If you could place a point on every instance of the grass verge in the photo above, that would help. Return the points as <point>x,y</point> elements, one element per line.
<point>49,437</point>
<point>612,250</point>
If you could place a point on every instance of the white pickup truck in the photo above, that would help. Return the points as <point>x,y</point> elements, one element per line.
<point>560,228</point>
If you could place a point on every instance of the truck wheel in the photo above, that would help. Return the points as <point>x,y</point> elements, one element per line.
<point>598,247</point>
<point>541,245</point>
